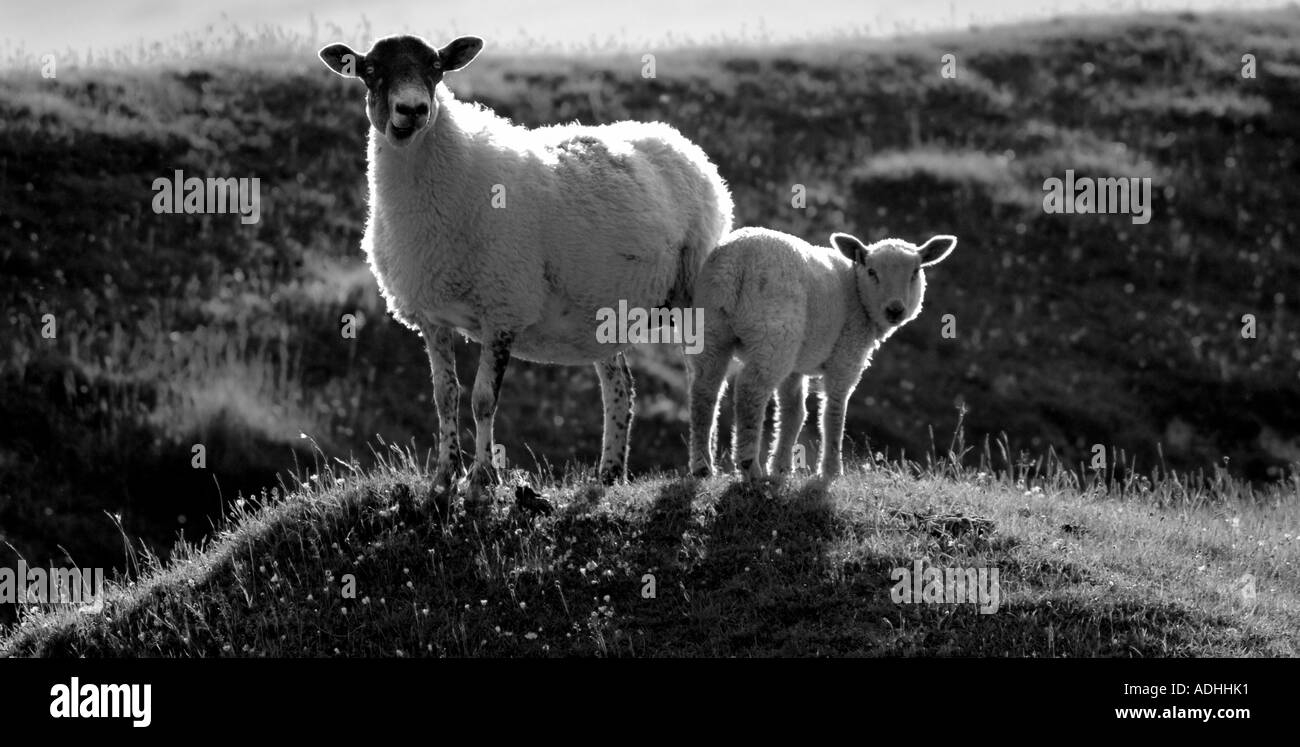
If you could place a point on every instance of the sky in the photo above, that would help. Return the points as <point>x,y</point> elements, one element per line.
<point>54,25</point>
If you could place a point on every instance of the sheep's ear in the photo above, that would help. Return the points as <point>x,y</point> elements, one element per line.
<point>850,247</point>
<point>938,247</point>
<point>341,59</point>
<point>459,52</point>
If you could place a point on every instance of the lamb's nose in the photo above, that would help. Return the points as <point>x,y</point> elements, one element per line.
<point>894,311</point>
<point>414,111</point>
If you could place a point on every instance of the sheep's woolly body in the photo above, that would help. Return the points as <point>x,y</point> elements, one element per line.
<point>592,215</point>
<point>789,310</point>
<point>777,292</point>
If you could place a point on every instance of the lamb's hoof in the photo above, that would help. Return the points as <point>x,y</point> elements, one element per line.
<point>401,494</point>
<point>779,469</point>
<point>824,479</point>
<point>778,476</point>
<point>529,501</point>
<point>751,471</point>
<point>702,472</point>
<point>478,501</point>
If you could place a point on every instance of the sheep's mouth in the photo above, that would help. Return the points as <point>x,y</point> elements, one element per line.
<point>401,133</point>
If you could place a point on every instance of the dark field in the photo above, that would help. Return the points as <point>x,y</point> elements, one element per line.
<point>177,330</point>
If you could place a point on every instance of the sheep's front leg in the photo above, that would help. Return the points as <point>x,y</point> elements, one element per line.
<point>835,400</point>
<point>492,362</point>
<point>446,398</point>
<point>617,392</point>
<point>791,412</point>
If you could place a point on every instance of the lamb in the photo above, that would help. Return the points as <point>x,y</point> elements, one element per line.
<point>788,311</point>
<point>517,237</point>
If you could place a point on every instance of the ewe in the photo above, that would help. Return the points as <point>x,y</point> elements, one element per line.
<point>789,310</point>
<point>517,237</point>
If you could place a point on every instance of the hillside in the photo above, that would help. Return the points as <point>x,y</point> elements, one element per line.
<point>776,571</point>
<point>1071,330</point>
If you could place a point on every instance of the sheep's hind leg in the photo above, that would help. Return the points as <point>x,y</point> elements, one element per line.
<point>446,398</point>
<point>492,362</point>
<point>616,390</point>
<point>754,385</point>
<point>707,374</point>
<point>791,412</point>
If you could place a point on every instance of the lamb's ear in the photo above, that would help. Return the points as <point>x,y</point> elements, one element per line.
<point>938,247</point>
<point>341,59</point>
<point>459,52</point>
<point>850,247</point>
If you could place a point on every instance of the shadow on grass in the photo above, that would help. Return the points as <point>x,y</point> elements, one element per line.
<point>679,572</point>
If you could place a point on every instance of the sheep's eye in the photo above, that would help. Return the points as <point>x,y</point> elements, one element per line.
<point>871,273</point>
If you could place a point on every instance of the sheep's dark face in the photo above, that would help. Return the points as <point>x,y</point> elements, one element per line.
<point>891,274</point>
<point>401,73</point>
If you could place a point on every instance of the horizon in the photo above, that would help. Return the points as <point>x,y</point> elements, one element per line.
<point>517,26</point>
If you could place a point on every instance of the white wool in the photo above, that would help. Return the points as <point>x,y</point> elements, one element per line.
<point>593,215</point>
<point>789,311</point>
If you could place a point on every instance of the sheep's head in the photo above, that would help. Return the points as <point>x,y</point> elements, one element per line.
<point>400,73</point>
<point>891,275</point>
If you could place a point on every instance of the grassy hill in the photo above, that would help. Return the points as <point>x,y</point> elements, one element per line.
<point>1072,330</point>
<point>776,570</point>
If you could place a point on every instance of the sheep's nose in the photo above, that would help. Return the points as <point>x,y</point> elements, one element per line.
<point>414,111</point>
<point>894,311</point>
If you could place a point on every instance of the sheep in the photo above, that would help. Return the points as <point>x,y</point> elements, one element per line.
<point>517,237</point>
<point>789,311</point>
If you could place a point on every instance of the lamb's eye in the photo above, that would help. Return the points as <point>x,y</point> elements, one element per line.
<point>871,273</point>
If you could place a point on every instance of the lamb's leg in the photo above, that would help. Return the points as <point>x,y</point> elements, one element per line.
<point>791,412</point>
<point>835,399</point>
<point>754,385</point>
<point>492,362</point>
<point>446,398</point>
<point>617,391</point>
<point>707,371</point>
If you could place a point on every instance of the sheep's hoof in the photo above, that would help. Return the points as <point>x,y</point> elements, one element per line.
<point>611,475</point>
<point>589,496</point>
<point>476,487</point>
<point>702,472</point>
<point>441,501</point>
<point>441,491</point>
<point>751,470</point>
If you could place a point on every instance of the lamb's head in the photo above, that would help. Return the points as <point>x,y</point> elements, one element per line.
<point>400,73</point>
<point>891,275</point>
